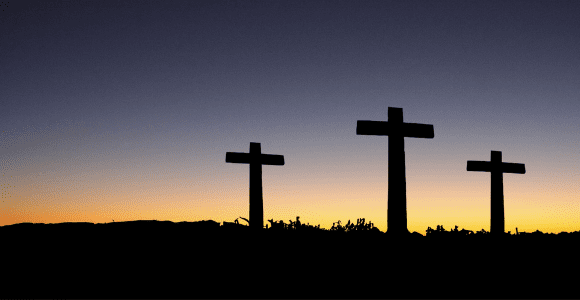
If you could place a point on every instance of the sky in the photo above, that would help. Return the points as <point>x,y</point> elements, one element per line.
<point>124,110</point>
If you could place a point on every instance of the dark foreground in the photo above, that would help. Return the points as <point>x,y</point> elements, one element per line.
<point>187,260</point>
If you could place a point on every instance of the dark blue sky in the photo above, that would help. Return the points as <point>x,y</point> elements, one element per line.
<point>114,93</point>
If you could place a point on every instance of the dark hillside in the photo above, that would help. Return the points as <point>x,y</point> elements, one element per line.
<point>154,259</point>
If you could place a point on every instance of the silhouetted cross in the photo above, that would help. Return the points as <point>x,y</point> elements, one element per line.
<point>256,159</point>
<point>396,130</point>
<point>496,167</point>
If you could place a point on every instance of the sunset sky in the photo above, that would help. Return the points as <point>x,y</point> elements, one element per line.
<point>125,110</point>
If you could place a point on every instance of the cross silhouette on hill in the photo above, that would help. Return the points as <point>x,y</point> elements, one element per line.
<point>496,167</point>
<point>256,159</point>
<point>396,130</point>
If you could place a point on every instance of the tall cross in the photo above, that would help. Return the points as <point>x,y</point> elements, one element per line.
<point>496,167</point>
<point>256,159</point>
<point>396,130</point>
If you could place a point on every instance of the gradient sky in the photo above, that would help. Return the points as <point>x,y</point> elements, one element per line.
<point>125,110</point>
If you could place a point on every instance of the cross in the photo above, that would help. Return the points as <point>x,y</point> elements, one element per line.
<point>496,167</point>
<point>396,130</point>
<point>256,159</point>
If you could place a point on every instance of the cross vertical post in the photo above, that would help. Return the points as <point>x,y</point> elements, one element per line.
<point>497,213</point>
<point>397,185</point>
<point>256,192</point>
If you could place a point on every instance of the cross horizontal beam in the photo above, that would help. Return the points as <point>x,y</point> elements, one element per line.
<point>487,166</point>
<point>414,130</point>
<point>248,158</point>
<point>478,166</point>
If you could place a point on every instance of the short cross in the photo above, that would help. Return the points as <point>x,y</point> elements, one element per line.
<point>256,159</point>
<point>396,130</point>
<point>496,167</point>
